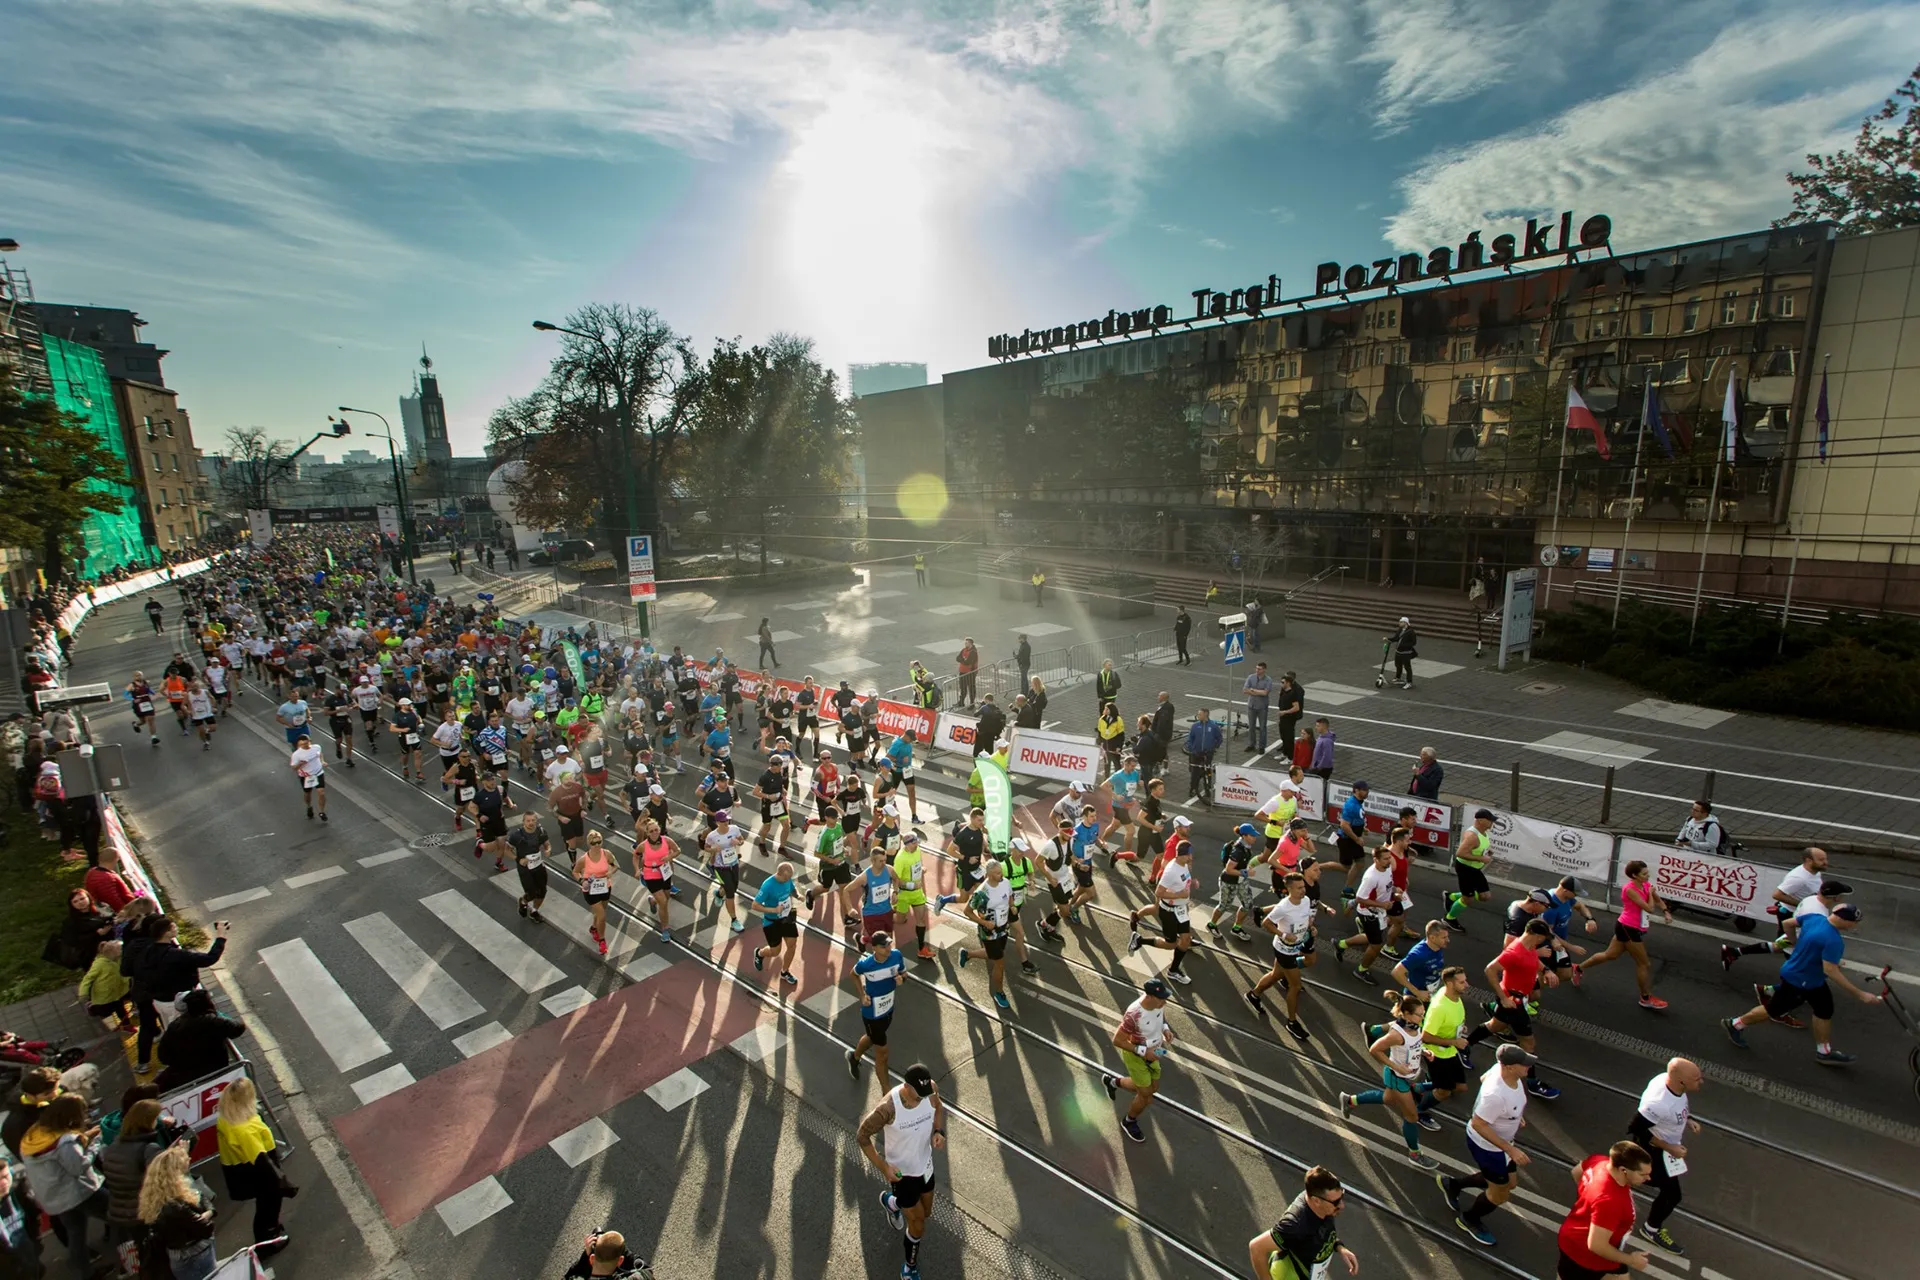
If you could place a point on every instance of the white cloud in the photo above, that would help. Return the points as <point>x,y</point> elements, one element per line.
<point>1696,151</point>
<point>1440,51</point>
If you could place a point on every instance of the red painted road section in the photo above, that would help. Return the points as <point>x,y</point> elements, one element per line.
<point>442,1134</point>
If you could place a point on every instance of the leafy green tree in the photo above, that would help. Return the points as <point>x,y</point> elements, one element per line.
<point>1873,185</point>
<point>54,473</point>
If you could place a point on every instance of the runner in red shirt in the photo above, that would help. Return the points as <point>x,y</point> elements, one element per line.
<point>1513,975</point>
<point>1602,1215</point>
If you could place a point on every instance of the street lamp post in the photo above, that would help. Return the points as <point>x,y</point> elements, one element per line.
<point>623,413</point>
<point>399,489</point>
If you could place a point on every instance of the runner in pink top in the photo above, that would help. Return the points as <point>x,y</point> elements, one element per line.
<point>653,863</point>
<point>594,870</point>
<point>1637,897</point>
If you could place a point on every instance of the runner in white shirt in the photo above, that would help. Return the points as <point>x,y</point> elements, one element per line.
<point>1498,1114</point>
<point>1371,900</point>
<point>1800,885</point>
<point>563,764</point>
<point>520,727</point>
<point>309,765</point>
<point>367,698</point>
<point>219,677</point>
<point>723,855</point>
<point>1174,899</point>
<point>1662,1124</point>
<point>200,712</point>
<point>446,739</point>
<point>1401,1052</point>
<point>911,1122</point>
<point>1143,1037</point>
<point>1290,921</point>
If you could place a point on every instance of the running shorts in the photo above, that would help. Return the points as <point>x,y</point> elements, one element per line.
<point>876,1029</point>
<point>781,928</point>
<point>1471,879</point>
<point>1787,996</point>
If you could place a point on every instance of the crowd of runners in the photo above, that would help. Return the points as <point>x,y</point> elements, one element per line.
<point>554,748</point>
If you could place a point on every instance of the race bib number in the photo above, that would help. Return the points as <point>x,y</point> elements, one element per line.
<point>776,810</point>
<point>535,860</point>
<point>310,781</point>
<point>496,757</point>
<point>411,739</point>
<point>144,708</point>
<point>1675,1165</point>
<point>596,884</point>
<point>596,763</point>
<point>546,753</point>
<point>466,794</point>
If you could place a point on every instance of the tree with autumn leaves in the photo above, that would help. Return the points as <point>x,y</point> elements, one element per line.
<point>746,430</point>
<point>54,473</point>
<point>1873,185</point>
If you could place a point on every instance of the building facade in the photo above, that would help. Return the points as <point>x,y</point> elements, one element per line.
<point>112,331</point>
<point>175,499</point>
<point>423,418</point>
<point>873,379</point>
<point>109,540</point>
<point>1409,431</point>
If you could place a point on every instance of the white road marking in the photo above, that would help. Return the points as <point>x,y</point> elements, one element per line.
<point>381,859</point>
<point>646,965</point>
<point>759,1044</point>
<point>467,1209</point>
<point>1323,692</point>
<point>829,1002</point>
<point>1675,713</point>
<point>1589,749</point>
<point>566,1000</point>
<point>942,646</point>
<point>851,665</point>
<point>383,1082</point>
<point>804,604</point>
<point>1428,669</point>
<point>235,899</point>
<point>525,967</point>
<point>336,1022</point>
<point>314,877</point>
<point>677,1090</point>
<point>567,913</point>
<point>583,1142</point>
<point>444,1001</point>
<point>779,637</point>
<point>720,617</point>
<point>1040,629</point>
<point>481,1039</point>
<point>952,610</point>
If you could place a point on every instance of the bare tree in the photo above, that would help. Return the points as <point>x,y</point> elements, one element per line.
<point>1261,549</point>
<point>253,465</point>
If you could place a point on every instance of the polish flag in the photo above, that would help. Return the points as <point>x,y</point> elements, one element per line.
<point>1580,418</point>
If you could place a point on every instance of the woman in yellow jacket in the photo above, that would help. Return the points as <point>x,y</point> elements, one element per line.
<point>251,1165</point>
<point>1112,732</point>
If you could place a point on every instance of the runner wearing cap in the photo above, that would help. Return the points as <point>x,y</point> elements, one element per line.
<point>1805,883</point>
<point>910,881</point>
<point>1164,855</point>
<point>723,856</point>
<point>1143,1035</point>
<point>1290,921</point>
<point>990,907</point>
<point>1056,855</point>
<point>1351,836</point>
<point>1236,883</point>
<point>405,726</point>
<point>1491,1133</point>
<point>1173,895</point>
<point>911,1123</point>
<point>1068,806</point>
<point>1807,977</point>
<point>876,975</point>
<point>1470,867</point>
<point>1278,811</point>
<point>1513,975</point>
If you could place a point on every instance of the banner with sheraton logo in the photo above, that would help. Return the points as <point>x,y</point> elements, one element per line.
<point>1065,756</point>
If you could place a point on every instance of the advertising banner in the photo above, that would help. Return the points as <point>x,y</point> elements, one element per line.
<point>956,732</point>
<point>1247,789</point>
<point>1712,883</point>
<point>389,517</point>
<point>260,526</point>
<point>1432,821</point>
<point>1520,841</point>
<point>895,717</point>
<point>898,717</point>
<point>997,789</point>
<point>1065,756</point>
<point>195,1106</point>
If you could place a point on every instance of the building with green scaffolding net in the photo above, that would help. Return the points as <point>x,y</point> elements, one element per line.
<point>108,540</point>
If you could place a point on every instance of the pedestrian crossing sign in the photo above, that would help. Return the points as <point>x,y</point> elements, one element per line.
<point>1236,647</point>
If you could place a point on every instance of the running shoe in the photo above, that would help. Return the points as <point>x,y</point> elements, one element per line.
<point>909,1272</point>
<point>523,908</point>
<point>1391,953</point>
<point>853,1064</point>
<point>1477,1233</point>
<point>1652,1002</point>
<point>1298,1030</point>
<point>1051,934</point>
<point>738,926</point>
<point>673,890</point>
<point>1544,1092</point>
<point>1347,1106</point>
<point>1366,976</point>
<point>1832,1057</point>
<point>1112,1085</point>
<point>809,899</point>
<point>1029,968</point>
<point>925,953</point>
<point>1073,915</point>
<point>1000,998</point>
<point>759,961</point>
<point>1241,934</point>
<point>1573,971</point>
<point>1216,926</point>
<point>1254,999</point>
<point>1661,1237</point>
<point>1421,1160</point>
<point>665,934</point>
<point>600,941</point>
<point>1175,975</point>
<point>961,954</point>
<point>786,976</point>
<point>1728,954</point>
<point>1340,949</point>
<point>894,1216</point>
<point>1133,942</point>
<point>1131,1127</point>
<point>323,817</point>
<point>1428,1123</point>
<point>940,901</point>
<point>1451,1192</point>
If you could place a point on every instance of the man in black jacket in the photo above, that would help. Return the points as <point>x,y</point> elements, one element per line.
<point>1026,715</point>
<point>1163,718</point>
<point>1290,700</point>
<point>167,969</point>
<point>1406,647</point>
<point>993,723</point>
<point>1182,628</point>
<point>195,1045</point>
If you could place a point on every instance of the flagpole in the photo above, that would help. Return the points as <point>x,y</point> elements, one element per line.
<point>1633,493</point>
<point>1559,479</point>
<point>1700,579</point>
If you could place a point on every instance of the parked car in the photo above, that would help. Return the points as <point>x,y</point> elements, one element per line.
<point>565,551</point>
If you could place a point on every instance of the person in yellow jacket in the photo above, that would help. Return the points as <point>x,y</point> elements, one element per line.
<point>102,988</point>
<point>910,883</point>
<point>249,1160</point>
<point>1279,811</point>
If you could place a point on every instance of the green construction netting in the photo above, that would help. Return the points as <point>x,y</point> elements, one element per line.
<point>81,387</point>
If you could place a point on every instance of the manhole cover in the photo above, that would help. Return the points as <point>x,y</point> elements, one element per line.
<point>1538,687</point>
<point>434,840</point>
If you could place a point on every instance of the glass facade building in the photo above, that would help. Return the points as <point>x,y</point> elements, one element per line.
<point>1413,430</point>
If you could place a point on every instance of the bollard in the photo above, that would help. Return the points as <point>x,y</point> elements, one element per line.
<point>1606,798</point>
<point>1513,799</point>
<point>1706,788</point>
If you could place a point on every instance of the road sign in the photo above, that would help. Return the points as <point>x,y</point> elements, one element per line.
<point>1236,647</point>
<point>640,586</point>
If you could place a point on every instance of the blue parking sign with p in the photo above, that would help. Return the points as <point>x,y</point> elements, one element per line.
<point>640,546</point>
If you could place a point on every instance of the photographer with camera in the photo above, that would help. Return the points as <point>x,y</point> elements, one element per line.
<point>606,1255</point>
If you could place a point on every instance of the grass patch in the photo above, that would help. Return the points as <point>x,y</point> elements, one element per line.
<point>34,906</point>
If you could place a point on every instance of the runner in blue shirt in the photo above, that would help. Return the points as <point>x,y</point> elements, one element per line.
<point>773,903</point>
<point>1808,977</point>
<point>877,974</point>
<point>716,741</point>
<point>900,755</point>
<point>1086,839</point>
<point>1351,840</point>
<point>1419,971</point>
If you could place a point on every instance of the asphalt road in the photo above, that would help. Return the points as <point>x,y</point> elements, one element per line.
<point>711,1118</point>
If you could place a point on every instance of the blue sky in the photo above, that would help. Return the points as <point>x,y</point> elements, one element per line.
<point>298,193</point>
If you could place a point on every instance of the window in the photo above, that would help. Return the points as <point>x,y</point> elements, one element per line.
<point>1753,307</point>
<point>1690,318</point>
<point>147,422</point>
<point>1783,305</point>
<point>1387,321</point>
<point>1468,389</point>
<point>1729,307</point>
<point>169,426</point>
<point>1379,355</point>
<point>1646,320</point>
<point>156,462</point>
<point>1500,388</point>
<point>163,496</point>
<point>175,459</point>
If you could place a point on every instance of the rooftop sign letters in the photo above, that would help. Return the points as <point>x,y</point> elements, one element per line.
<point>1542,240</point>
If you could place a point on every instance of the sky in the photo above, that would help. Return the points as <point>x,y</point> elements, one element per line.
<point>298,194</point>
